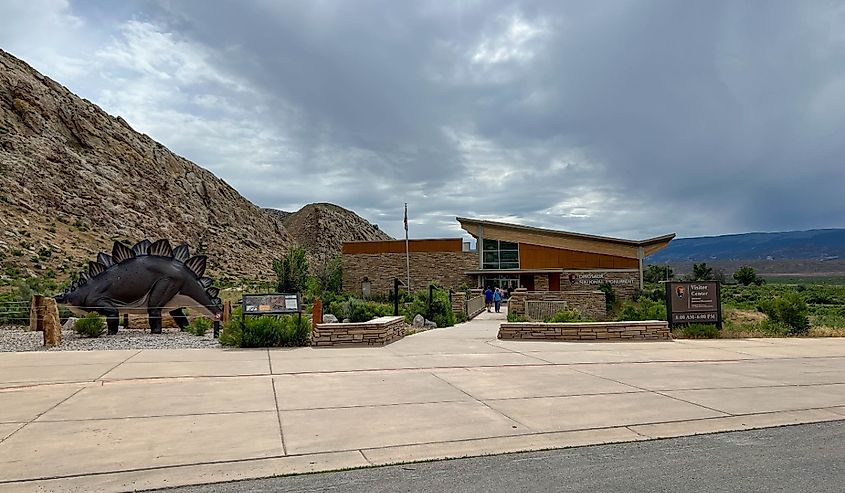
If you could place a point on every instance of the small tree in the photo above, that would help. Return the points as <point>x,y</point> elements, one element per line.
<point>746,275</point>
<point>657,273</point>
<point>292,270</point>
<point>700,272</point>
<point>329,276</point>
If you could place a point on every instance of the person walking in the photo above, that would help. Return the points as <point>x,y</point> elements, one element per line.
<point>497,299</point>
<point>488,298</point>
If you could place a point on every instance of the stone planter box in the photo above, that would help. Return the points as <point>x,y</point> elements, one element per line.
<point>649,330</point>
<point>377,332</point>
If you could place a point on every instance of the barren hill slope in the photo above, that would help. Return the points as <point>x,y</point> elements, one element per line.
<point>322,228</point>
<point>73,179</point>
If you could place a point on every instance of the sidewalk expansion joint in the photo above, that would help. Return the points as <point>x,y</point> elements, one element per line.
<point>482,402</point>
<point>278,416</point>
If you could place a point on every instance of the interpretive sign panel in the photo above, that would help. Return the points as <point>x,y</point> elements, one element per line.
<point>693,302</point>
<point>271,303</point>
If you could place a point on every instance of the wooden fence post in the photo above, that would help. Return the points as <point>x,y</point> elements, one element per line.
<point>316,313</point>
<point>227,312</point>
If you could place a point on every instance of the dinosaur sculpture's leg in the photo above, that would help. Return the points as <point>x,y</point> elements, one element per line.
<point>112,318</point>
<point>163,291</point>
<point>180,318</point>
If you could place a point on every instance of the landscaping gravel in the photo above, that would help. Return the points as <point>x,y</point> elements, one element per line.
<point>16,338</point>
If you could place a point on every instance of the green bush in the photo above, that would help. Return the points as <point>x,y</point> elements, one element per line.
<point>565,316</point>
<point>364,311</point>
<point>292,271</point>
<point>789,309</point>
<point>91,325</point>
<point>642,309</point>
<point>441,308</point>
<point>700,331</point>
<point>265,331</point>
<point>513,317</point>
<point>609,295</point>
<point>199,326</point>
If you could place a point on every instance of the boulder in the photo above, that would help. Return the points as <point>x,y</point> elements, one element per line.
<point>328,318</point>
<point>346,320</point>
<point>69,323</point>
<point>430,325</point>
<point>419,321</point>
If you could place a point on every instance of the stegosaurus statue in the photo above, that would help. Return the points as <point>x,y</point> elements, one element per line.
<point>147,278</point>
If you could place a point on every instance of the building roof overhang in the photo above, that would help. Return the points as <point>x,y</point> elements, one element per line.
<point>564,239</point>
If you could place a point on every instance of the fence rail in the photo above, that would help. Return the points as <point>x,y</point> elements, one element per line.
<point>475,306</point>
<point>541,310</point>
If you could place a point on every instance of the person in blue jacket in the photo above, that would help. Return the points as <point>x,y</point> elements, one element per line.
<point>497,299</point>
<point>488,298</point>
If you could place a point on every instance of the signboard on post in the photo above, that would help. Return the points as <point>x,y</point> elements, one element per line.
<point>693,302</point>
<point>271,304</point>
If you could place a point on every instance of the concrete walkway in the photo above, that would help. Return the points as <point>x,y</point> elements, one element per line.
<point>124,420</point>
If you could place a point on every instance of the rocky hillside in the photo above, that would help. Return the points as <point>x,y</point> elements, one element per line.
<point>322,228</point>
<point>73,179</point>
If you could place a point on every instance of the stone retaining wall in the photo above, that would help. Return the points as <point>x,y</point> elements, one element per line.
<point>650,330</point>
<point>377,332</point>
<point>590,304</point>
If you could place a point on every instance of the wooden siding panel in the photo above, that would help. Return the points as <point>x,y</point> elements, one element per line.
<point>541,257</point>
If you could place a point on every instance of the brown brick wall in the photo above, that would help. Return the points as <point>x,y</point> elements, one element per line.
<point>651,330</point>
<point>447,268</point>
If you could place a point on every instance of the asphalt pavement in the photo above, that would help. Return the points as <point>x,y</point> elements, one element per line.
<point>801,458</point>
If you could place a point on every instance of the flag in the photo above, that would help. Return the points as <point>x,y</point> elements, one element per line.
<point>406,217</point>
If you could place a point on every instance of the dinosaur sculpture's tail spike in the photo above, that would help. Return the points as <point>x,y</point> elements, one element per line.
<point>206,282</point>
<point>95,269</point>
<point>197,265</point>
<point>181,253</point>
<point>121,252</point>
<point>142,247</point>
<point>84,276</point>
<point>161,248</point>
<point>216,301</point>
<point>212,292</point>
<point>105,259</point>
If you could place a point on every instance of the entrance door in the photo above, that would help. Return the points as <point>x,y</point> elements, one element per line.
<point>527,281</point>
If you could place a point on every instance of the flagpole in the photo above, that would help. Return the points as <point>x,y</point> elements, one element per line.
<point>407,252</point>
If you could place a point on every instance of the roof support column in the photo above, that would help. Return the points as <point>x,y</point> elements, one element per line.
<point>479,248</point>
<point>640,255</point>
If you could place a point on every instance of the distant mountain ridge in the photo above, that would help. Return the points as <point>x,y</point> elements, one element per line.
<point>813,244</point>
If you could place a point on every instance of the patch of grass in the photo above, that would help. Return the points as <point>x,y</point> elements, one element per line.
<point>564,316</point>
<point>696,331</point>
<point>199,326</point>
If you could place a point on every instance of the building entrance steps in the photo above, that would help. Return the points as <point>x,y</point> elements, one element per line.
<point>116,421</point>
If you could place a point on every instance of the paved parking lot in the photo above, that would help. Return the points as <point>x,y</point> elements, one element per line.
<point>121,420</point>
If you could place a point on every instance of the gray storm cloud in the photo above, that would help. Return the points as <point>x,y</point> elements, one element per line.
<point>622,118</point>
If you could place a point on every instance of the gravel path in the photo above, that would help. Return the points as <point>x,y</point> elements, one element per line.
<point>15,338</point>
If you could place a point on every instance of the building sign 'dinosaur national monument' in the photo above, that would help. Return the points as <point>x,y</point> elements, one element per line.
<point>693,302</point>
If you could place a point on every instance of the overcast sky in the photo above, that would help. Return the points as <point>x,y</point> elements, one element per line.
<point>623,118</point>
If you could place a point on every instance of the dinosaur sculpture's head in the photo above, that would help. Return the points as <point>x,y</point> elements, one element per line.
<point>75,299</point>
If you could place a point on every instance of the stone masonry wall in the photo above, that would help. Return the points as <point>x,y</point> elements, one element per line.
<point>591,304</point>
<point>650,330</point>
<point>541,282</point>
<point>624,283</point>
<point>447,268</point>
<point>377,332</point>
